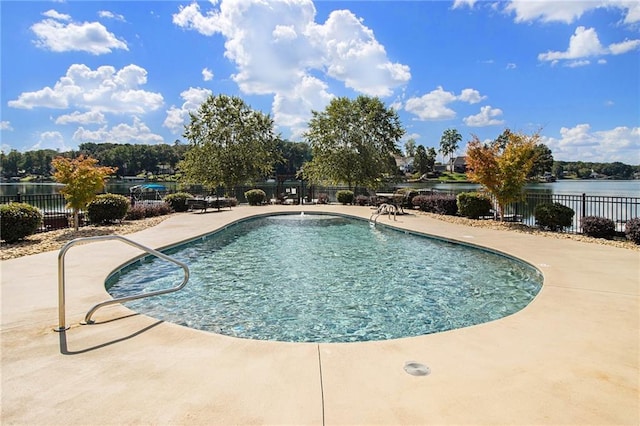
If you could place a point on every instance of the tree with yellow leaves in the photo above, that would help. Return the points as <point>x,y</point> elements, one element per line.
<point>82,178</point>
<point>501,167</point>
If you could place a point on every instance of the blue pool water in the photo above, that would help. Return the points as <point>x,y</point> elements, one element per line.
<point>317,278</point>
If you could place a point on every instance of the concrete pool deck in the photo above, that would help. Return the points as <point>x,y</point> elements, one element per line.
<point>570,357</point>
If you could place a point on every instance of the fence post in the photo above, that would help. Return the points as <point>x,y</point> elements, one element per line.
<point>18,198</point>
<point>584,210</point>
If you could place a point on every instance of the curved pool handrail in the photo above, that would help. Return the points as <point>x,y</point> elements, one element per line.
<point>61,277</point>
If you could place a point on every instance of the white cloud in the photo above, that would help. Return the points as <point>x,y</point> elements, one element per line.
<point>471,96</point>
<point>579,142</point>
<point>56,15</point>
<point>434,105</point>
<point>353,55</point>
<point>135,133</point>
<point>568,11</point>
<point>486,117</point>
<point>177,117</point>
<point>511,66</point>
<point>624,47</point>
<point>110,15</point>
<point>458,4</point>
<point>50,140</point>
<point>207,74</point>
<point>78,117</point>
<point>584,43</point>
<point>293,108</point>
<point>104,90</point>
<point>58,35</point>
<point>6,125</point>
<point>280,50</point>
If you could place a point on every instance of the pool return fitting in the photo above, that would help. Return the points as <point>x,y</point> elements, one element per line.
<point>61,278</point>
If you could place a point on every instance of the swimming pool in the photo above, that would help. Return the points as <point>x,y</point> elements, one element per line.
<point>327,278</point>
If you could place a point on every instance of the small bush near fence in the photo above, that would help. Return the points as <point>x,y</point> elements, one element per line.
<point>345,196</point>
<point>598,227</point>
<point>107,208</point>
<point>18,220</point>
<point>473,205</point>
<point>178,201</point>
<point>255,197</point>
<point>632,230</point>
<point>445,204</point>
<point>553,217</point>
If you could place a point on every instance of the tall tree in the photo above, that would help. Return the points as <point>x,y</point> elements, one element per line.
<point>449,144</point>
<point>294,155</point>
<point>82,179</point>
<point>543,161</point>
<point>229,144</point>
<point>353,142</point>
<point>410,148</point>
<point>424,159</point>
<point>502,171</point>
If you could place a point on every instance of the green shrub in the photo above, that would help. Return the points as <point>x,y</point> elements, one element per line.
<point>143,210</point>
<point>345,196</point>
<point>598,227</point>
<point>632,230</point>
<point>255,197</point>
<point>137,212</point>
<point>107,208</point>
<point>178,201</point>
<point>444,204</point>
<point>18,220</point>
<point>554,217</point>
<point>473,205</point>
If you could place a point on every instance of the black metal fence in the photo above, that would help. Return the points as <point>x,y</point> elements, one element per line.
<point>618,209</point>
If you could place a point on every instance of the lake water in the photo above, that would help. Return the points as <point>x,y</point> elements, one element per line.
<point>54,188</point>
<point>613,188</point>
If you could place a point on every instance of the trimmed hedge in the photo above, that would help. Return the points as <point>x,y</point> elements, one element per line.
<point>255,197</point>
<point>18,220</point>
<point>632,230</point>
<point>178,201</point>
<point>344,196</point>
<point>598,227</point>
<point>107,208</point>
<point>444,204</point>
<point>553,217</point>
<point>473,205</point>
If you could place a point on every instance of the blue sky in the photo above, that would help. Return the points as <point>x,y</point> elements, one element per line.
<point>129,72</point>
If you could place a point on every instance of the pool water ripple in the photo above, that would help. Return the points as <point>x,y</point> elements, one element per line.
<point>319,278</point>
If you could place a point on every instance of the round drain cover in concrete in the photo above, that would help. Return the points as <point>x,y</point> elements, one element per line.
<point>416,369</point>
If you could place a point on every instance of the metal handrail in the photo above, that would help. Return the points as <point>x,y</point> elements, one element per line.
<point>61,281</point>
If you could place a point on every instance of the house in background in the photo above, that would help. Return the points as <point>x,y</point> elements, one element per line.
<point>459,165</point>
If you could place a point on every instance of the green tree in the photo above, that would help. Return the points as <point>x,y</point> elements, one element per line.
<point>543,161</point>
<point>82,179</point>
<point>424,159</point>
<point>293,156</point>
<point>502,171</point>
<point>229,144</point>
<point>410,148</point>
<point>449,144</point>
<point>353,142</point>
<point>11,163</point>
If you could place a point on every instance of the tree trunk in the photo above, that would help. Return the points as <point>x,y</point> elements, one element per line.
<point>76,220</point>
